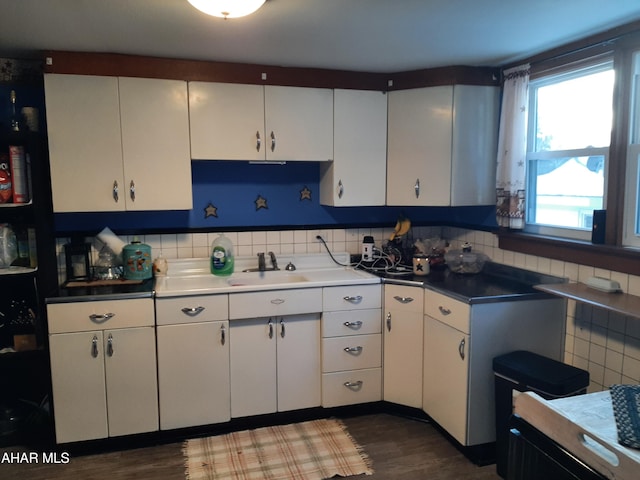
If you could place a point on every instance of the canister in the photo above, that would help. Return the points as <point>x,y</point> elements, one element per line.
<point>137,261</point>
<point>420,264</point>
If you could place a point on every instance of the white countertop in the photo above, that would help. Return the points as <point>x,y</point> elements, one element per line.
<point>193,276</point>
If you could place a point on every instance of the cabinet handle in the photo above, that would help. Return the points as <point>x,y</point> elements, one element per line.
<point>356,299</point>
<point>340,189</point>
<point>353,350</point>
<point>416,187</point>
<point>273,141</point>
<point>388,321</point>
<point>281,328</point>
<point>132,191</point>
<point>461,348</point>
<point>353,385</point>
<point>223,335</point>
<point>110,345</point>
<point>277,301</point>
<point>403,299</point>
<point>192,311</point>
<point>101,318</point>
<point>258,141</point>
<point>115,191</point>
<point>444,311</point>
<point>94,346</point>
<point>270,328</point>
<point>354,325</point>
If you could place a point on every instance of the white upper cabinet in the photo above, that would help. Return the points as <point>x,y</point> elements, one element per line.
<point>118,144</point>
<point>357,175</point>
<point>475,143</point>
<point>419,147</point>
<point>227,121</point>
<point>255,122</point>
<point>442,146</point>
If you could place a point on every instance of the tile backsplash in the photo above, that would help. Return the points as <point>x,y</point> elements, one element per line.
<point>604,343</point>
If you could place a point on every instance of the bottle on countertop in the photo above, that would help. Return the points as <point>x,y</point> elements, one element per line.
<point>222,261</point>
<point>17,156</point>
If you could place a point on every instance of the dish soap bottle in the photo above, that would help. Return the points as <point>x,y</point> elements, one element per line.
<point>222,256</point>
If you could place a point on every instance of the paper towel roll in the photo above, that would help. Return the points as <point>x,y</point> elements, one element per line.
<point>111,240</point>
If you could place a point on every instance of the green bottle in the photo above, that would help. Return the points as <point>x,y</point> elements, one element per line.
<point>222,256</point>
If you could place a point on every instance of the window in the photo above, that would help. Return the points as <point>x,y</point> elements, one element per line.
<point>631,226</point>
<point>569,131</point>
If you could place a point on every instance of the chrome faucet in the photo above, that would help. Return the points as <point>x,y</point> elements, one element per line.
<point>274,262</point>
<point>262,267</point>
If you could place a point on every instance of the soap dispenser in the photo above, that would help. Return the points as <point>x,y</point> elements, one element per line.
<point>222,261</point>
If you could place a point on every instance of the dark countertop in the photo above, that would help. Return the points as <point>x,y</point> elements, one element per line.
<point>496,283</point>
<point>109,292</point>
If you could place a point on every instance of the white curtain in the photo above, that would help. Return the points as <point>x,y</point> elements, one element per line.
<point>512,148</point>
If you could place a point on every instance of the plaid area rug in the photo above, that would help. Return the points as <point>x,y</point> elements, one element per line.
<point>312,450</point>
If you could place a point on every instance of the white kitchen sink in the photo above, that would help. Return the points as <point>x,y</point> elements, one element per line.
<point>192,276</point>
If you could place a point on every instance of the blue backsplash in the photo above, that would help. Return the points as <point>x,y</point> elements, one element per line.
<point>238,195</point>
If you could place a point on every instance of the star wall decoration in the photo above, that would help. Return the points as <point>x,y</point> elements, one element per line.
<point>261,202</point>
<point>305,194</point>
<point>210,211</point>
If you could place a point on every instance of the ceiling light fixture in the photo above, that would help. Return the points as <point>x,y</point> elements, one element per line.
<point>227,8</point>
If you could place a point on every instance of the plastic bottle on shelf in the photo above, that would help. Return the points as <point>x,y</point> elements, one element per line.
<point>222,261</point>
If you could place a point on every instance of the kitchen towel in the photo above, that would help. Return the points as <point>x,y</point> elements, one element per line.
<point>311,450</point>
<point>626,411</point>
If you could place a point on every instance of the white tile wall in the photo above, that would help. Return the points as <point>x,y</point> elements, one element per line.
<point>604,343</point>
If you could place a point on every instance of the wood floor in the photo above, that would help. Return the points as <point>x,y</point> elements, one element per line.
<point>400,448</point>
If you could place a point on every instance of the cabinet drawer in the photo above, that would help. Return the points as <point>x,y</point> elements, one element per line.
<point>402,298</point>
<point>356,322</point>
<point>348,388</point>
<point>100,315</point>
<point>275,302</point>
<point>350,353</point>
<point>449,311</point>
<point>351,297</point>
<point>203,308</point>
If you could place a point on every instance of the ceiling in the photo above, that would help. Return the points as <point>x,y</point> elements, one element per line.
<point>359,35</point>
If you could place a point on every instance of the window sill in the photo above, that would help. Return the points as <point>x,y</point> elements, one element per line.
<point>608,257</point>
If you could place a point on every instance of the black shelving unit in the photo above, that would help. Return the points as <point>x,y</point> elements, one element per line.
<point>25,374</point>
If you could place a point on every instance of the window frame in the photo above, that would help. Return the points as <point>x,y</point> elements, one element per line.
<point>573,70</point>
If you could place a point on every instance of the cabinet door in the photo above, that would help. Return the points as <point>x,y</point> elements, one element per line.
<point>132,387</point>
<point>155,144</point>
<point>85,146</point>
<point>446,375</point>
<point>357,176</point>
<point>253,367</point>
<point>298,358</point>
<point>403,337</point>
<point>193,374</point>
<point>419,147</point>
<point>79,393</point>
<point>475,139</point>
<point>298,123</point>
<point>227,121</point>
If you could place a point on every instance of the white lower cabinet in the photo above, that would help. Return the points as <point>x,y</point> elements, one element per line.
<point>403,338</point>
<point>275,364</point>
<point>351,345</point>
<point>460,342</point>
<point>193,361</point>
<point>275,351</point>
<point>103,379</point>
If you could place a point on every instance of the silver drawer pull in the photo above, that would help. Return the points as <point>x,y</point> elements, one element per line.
<point>444,311</point>
<point>354,325</point>
<point>353,385</point>
<point>101,318</point>
<point>277,301</point>
<point>356,299</point>
<point>192,311</point>
<point>353,350</point>
<point>403,299</point>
